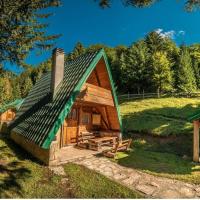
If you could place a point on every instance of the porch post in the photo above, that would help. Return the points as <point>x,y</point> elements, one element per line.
<point>79,119</point>
<point>196,141</point>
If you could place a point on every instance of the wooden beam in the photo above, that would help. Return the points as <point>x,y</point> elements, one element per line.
<point>196,141</point>
<point>97,77</point>
<point>80,113</point>
<point>107,116</point>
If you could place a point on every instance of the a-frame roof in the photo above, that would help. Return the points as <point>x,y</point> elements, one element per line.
<point>39,118</point>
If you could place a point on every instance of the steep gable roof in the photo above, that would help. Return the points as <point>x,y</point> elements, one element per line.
<point>39,118</point>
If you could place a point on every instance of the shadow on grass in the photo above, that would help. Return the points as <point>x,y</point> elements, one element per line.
<point>160,155</point>
<point>12,168</point>
<point>10,174</point>
<point>160,121</point>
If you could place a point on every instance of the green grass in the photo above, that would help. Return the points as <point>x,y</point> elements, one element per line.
<point>89,184</point>
<point>23,177</point>
<point>166,157</point>
<point>165,116</point>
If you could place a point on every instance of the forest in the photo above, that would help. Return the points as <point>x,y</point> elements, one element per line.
<point>152,64</point>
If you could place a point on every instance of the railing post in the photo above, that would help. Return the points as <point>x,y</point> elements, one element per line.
<point>196,141</point>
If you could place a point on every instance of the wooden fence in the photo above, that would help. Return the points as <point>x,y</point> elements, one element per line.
<point>127,97</point>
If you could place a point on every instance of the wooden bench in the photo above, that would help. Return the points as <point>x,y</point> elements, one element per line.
<point>123,145</point>
<point>97,143</point>
<point>83,139</point>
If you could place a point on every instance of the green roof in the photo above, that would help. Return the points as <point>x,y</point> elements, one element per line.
<point>39,118</point>
<point>12,105</point>
<point>194,117</point>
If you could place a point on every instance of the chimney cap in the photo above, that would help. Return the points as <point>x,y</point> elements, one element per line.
<point>58,51</point>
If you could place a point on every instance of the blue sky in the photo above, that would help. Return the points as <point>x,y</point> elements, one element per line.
<point>84,21</point>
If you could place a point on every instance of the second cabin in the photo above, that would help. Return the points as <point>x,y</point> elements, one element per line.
<point>76,97</point>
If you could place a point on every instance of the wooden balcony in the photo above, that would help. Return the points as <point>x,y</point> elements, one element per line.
<point>95,94</point>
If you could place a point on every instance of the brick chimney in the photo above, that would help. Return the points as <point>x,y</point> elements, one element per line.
<point>57,71</point>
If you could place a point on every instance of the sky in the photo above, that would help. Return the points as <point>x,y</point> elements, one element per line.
<point>85,21</point>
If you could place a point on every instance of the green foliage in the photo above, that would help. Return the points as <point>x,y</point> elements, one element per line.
<point>22,29</point>
<point>78,50</point>
<point>5,88</point>
<point>26,86</point>
<point>185,79</point>
<point>152,64</point>
<point>189,4</point>
<point>161,71</point>
<point>22,177</point>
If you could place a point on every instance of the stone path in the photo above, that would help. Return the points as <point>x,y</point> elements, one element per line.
<point>151,186</point>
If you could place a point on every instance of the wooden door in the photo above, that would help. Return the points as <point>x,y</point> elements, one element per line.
<point>71,128</point>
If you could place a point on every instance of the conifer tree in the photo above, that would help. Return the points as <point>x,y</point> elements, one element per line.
<point>161,72</point>
<point>189,4</point>
<point>21,29</point>
<point>184,74</point>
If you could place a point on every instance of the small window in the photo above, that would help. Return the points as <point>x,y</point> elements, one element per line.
<point>73,114</point>
<point>96,119</point>
<point>86,118</point>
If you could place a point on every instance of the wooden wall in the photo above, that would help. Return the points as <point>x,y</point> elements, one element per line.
<point>7,116</point>
<point>99,77</point>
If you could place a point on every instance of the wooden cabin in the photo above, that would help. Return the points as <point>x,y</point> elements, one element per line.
<point>8,111</point>
<point>7,115</point>
<point>76,97</point>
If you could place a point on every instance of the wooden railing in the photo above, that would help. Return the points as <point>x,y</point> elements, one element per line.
<point>127,97</point>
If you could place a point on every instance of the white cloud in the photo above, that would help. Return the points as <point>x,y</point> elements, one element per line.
<point>170,34</point>
<point>181,32</point>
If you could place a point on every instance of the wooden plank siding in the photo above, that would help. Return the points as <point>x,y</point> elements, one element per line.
<point>96,94</point>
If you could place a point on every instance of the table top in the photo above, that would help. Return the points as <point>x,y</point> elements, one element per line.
<point>102,139</point>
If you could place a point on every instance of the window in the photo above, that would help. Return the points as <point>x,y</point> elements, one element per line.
<point>96,119</point>
<point>73,114</point>
<point>86,118</point>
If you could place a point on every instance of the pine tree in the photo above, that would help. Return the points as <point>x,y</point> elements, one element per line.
<point>189,5</point>
<point>27,85</point>
<point>5,90</point>
<point>22,29</point>
<point>161,72</point>
<point>184,74</point>
<point>78,50</point>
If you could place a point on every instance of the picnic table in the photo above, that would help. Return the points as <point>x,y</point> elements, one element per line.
<point>97,143</point>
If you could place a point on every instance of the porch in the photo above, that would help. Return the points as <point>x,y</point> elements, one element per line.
<point>74,153</point>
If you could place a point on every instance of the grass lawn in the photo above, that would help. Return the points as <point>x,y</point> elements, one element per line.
<point>167,157</point>
<point>22,177</point>
<point>165,116</point>
<point>89,184</point>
